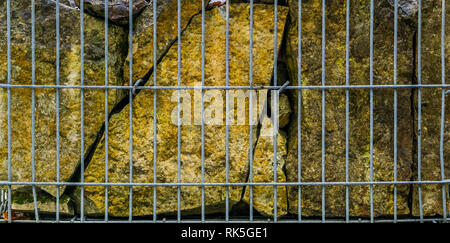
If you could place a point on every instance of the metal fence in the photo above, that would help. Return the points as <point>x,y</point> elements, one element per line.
<point>5,194</point>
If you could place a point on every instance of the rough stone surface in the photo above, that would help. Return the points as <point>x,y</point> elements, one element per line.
<point>46,203</point>
<point>45,99</point>
<point>263,196</point>
<point>118,10</point>
<point>167,32</point>
<point>215,163</point>
<point>431,99</point>
<point>359,105</point>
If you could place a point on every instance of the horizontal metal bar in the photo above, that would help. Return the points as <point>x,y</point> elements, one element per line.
<point>405,86</point>
<point>261,221</point>
<point>325,183</point>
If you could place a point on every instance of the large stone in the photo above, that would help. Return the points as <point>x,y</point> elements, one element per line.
<point>263,163</point>
<point>118,10</point>
<point>214,133</point>
<point>45,98</point>
<point>359,105</point>
<point>167,33</point>
<point>431,118</point>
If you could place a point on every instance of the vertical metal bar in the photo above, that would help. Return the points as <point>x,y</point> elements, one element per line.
<point>203,115</point>
<point>8,23</point>
<point>57,108</point>
<point>106,110</point>
<point>178,113</point>
<point>130,106</point>
<point>33,105</point>
<point>82,107</point>
<point>419,108</point>
<point>347,109</point>
<point>323,109</point>
<point>441,149</point>
<point>395,107</point>
<point>275,113</point>
<point>227,82</point>
<point>299,111</point>
<point>154,106</point>
<point>251,112</point>
<point>371,110</point>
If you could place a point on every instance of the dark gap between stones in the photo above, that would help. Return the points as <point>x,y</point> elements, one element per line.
<point>76,176</point>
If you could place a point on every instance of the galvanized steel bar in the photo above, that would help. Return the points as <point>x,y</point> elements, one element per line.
<point>274,111</point>
<point>8,23</point>
<point>326,183</point>
<point>203,114</point>
<point>82,108</point>
<point>227,108</point>
<point>287,221</point>
<point>155,74</point>
<point>323,108</point>
<point>371,110</point>
<point>33,106</point>
<point>106,110</point>
<point>57,108</point>
<point>347,109</point>
<point>271,87</point>
<point>441,145</point>
<point>178,111</point>
<point>251,114</point>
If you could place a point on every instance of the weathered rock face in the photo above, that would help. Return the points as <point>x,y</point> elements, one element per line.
<point>431,99</point>
<point>406,8</point>
<point>284,110</point>
<point>167,32</point>
<point>263,196</point>
<point>214,133</point>
<point>45,99</point>
<point>118,10</point>
<point>359,104</point>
